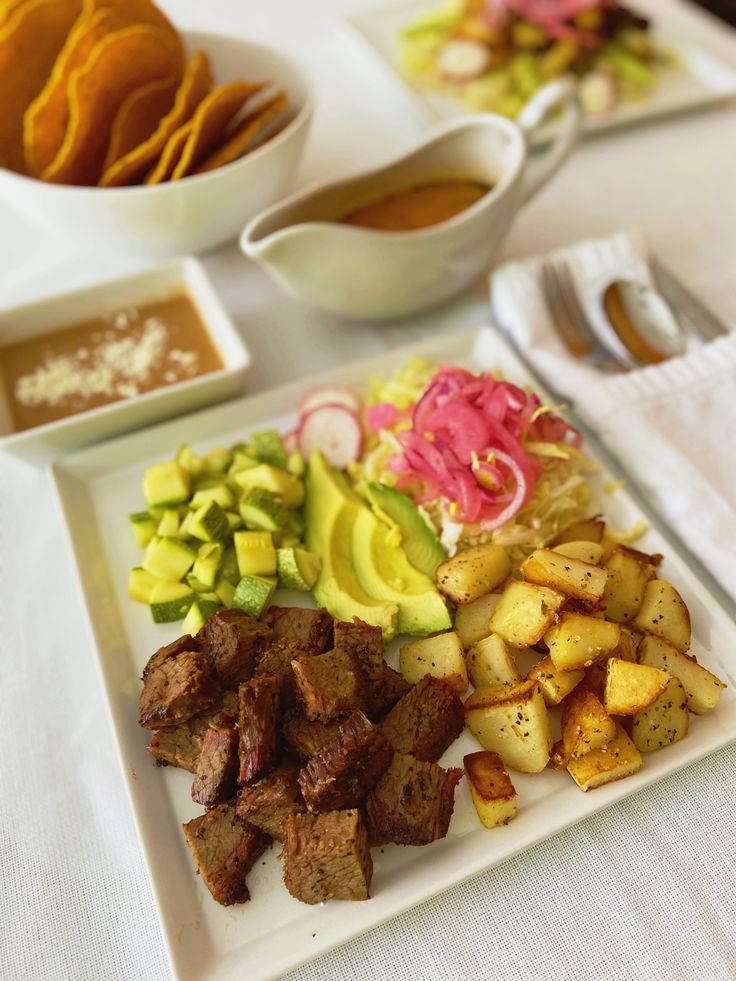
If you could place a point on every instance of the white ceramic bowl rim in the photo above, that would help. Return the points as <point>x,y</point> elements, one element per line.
<point>269,145</point>
<point>438,133</point>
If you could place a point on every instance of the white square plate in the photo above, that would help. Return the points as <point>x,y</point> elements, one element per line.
<point>703,80</point>
<point>99,486</point>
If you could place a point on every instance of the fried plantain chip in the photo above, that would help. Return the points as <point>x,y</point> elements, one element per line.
<point>139,117</point>
<point>239,140</point>
<point>171,155</point>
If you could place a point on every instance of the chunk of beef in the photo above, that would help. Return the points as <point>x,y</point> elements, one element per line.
<point>176,647</point>
<point>365,643</point>
<point>276,660</point>
<point>309,629</point>
<point>393,686</point>
<point>269,801</point>
<point>216,776</point>
<point>259,726</point>
<point>342,773</point>
<point>412,802</point>
<point>426,720</point>
<point>326,856</point>
<point>181,745</point>
<point>225,848</point>
<point>330,684</point>
<point>304,737</point>
<point>176,689</point>
<point>233,640</point>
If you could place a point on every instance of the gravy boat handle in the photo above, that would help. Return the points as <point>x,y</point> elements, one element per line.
<point>547,161</point>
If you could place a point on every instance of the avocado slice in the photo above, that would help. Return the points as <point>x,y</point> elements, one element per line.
<point>384,571</point>
<point>419,540</point>
<point>331,510</point>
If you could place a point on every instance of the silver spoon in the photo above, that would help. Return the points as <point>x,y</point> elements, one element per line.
<point>644,322</point>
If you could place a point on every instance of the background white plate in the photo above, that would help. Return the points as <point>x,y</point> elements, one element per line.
<point>703,80</point>
<point>99,486</point>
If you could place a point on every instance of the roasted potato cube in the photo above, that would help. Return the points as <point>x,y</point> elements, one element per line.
<point>580,580</point>
<point>490,663</point>
<point>556,685</point>
<point>442,656</point>
<point>579,640</point>
<point>630,688</point>
<point>511,720</point>
<point>590,552</point>
<point>587,530</point>
<point>627,578</point>
<point>664,722</point>
<point>595,675</point>
<point>617,759</point>
<point>664,614</point>
<point>703,689</point>
<point>525,612</point>
<point>472,620</point>
<point>473,572</point>
<point>491,788</point>
<point>585,724</point>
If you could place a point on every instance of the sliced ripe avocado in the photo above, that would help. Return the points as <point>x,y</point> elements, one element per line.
<point>253,593</point>
<point>140,584</point>
<point>255,553</point>
<point>166,483</point>
<point>420,542</point>
<point>384,571</point>
<point>331,510</point>
<point>199,611</point>
<point>273,479</point>
<point>143,527</point>
<point>262,510</point>
<point>170,601</point>
<point>169,558</point>
<point>269,448</point>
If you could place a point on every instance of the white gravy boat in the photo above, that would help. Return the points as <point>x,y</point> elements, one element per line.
<point>373,275</point>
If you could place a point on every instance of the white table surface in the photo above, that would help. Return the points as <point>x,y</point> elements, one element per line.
<point>643,891</point>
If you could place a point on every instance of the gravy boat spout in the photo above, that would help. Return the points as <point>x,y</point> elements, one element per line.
<point>367,274</point>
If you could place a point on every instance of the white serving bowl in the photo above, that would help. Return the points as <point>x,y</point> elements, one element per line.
<point>194,214</point>
<point>65,309</point>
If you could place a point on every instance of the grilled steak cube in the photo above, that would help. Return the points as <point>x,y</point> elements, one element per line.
<point>216,776</point>
<point>412,802</point>
<point>269,801</point>
<point>347,767</point>
<point>426,720</point>
<point>276,660</point>
<point>393,686</point>
<point>365,643</point>
<point>326,856</point>
<point>304,737</point>
<point>329,684</point>
<point>225,848</point>
<point>309,629</point>
<point>181,745</point>
<point>233,640</point>
<point>259,726</point>
<point>176,647</point>
<point>176,689</point>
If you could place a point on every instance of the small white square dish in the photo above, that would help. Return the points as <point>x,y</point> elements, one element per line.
<point>180,389</point>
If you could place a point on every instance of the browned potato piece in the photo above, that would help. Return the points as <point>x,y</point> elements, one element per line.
<point>630,688</point>
<point>585,724</point>
<point>664,722</point>
<point>587,530</point>
<point>511,720</point>
<point>525,612</point>
<point>556,685</point>
<point>493,793</point>
<point>442,656</point>
<point>664,614</point>
<point>472,620</point>
<point>590,552</point>
<point>579,640</point>
<point>580,580</point>
<point>473,572</point>
<point>595,675</point>
<point>627,578</point>
<point>617,759</point>
<point>703,689</point>
<point>490,663</point>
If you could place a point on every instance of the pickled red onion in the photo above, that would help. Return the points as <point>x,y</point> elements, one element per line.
<point>552,15</point>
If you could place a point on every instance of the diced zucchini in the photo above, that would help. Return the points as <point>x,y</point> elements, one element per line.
<point>253,594</point>
<point>199,611</point>
<point>190,460</point>
<point>241,461</point>
<point>296,464</point>
<point>217,461</point>
<point>229,569</point>
<point>221,493</point>
<point>225,591</point>
<point>185,528</point>
<point>209,523</point>
<point>255,553</point>
<point>234,520</point>
<point>166,483</point>
<point>170,601</point>
<point>168,526</point>
<point>279,482</point>
<point>197,585</point>
<point>143,527</point>
<point>262,510</point>
<point>298,569</point>
<point>286,539</point>
<point>169,558</point>
<point>269,448</point>
<point>140,584</point>
<point>209,560</point>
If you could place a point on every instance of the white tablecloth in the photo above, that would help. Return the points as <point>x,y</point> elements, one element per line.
<point>642,891</point>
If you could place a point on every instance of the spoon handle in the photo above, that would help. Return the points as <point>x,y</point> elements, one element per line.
<point>682,301</point>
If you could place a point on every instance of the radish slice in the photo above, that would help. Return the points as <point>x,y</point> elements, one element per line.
<point>335,430</point>
<point>291,441</point>
<point>330,396</point>
<point>463,59</point>
<point>598,93</point>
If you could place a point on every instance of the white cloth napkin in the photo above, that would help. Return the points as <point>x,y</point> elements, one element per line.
<point>672,426</point>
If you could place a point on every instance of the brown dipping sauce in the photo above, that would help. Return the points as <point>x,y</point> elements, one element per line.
<point>418,207</point>
<point>105,360</point>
